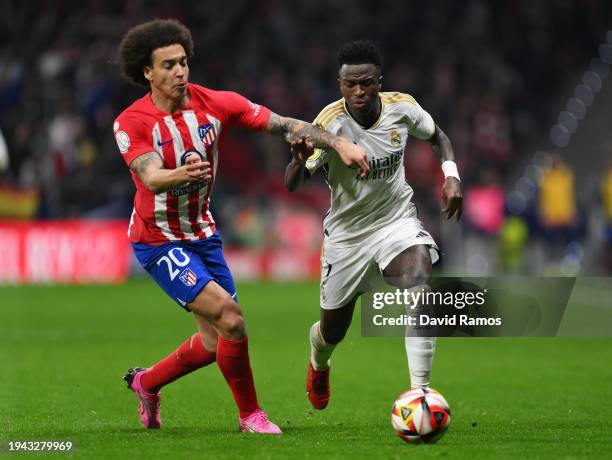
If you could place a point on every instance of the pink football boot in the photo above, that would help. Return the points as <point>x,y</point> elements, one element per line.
<point>148,403</point>
<point>258,422</point>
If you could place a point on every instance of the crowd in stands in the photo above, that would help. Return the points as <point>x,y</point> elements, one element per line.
<point>492,74</point>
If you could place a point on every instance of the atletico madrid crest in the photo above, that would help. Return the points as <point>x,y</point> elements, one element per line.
<point>188,277</point>
<point>207,133</point>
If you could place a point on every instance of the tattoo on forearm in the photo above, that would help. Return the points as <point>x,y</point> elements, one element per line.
<point>292,129</point>
<point>140,164</point>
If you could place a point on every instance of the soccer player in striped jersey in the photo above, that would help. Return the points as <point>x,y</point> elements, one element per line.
<point>170,138</point>
<point>372,227</point>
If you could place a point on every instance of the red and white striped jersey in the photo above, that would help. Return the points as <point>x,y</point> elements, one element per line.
<point>181,214</point>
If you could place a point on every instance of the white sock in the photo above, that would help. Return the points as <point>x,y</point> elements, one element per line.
<point>419,350</point>
<point>320,351</point>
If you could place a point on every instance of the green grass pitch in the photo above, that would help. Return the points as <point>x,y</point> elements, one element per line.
<point>63,351</point>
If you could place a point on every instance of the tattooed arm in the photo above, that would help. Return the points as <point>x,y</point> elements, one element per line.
<point>149,169</point>
<point>291,129</point>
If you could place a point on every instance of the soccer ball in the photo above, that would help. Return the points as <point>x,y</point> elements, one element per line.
<point>420,415</point>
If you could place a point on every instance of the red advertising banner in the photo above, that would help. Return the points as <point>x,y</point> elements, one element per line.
<point>276,264</point>
<point>70,251</point>
<point>98,251</point>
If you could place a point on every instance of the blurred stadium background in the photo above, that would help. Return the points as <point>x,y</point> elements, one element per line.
<point>521,87</point>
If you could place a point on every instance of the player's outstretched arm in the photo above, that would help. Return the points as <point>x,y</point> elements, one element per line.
<point>149,169</point>
<point>296,172</point>
<point>451,191</point>
<point>292,130</point>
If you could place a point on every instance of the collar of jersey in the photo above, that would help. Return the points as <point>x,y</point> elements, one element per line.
<point>375,125</point>
<point>164,113</point>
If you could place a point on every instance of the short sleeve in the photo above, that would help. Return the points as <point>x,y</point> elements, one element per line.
<point>316,160</point>
<point>244,113</point>
<point>320,156</point>
<point>133,138</point>
<point>420,123</point>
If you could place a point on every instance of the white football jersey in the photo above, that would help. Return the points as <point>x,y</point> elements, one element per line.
<point>359,205</point>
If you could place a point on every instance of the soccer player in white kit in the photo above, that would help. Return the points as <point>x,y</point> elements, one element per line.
<point>372,226</point>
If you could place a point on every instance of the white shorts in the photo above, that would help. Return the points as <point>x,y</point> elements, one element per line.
<point>347,270</point>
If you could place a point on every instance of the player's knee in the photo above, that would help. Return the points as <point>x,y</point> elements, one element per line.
<point>231,321</point>
<point>411,268</point>
<point>419,277</point>
<point>233,324</point>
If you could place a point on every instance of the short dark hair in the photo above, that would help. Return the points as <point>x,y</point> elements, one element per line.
<point>359,52</point>
<point>136,48</point>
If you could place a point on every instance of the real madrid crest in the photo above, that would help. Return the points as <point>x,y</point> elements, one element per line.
<point>396,139</point>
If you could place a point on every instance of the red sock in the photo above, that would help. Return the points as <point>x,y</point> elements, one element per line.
<point>191,355</point>
<point>233,360</point>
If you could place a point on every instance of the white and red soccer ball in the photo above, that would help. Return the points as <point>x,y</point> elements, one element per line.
<point>420,415</point>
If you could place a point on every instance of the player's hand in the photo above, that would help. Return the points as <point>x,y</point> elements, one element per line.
<point>354,156</point>
<point>197,170</point>
<point>301,149</point>
<point>452,198</point>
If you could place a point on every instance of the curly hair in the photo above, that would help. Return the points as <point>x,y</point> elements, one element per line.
<point>359,52</point>
<point>136,48</point>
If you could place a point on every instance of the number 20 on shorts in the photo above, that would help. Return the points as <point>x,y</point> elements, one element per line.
<point>171,258</point>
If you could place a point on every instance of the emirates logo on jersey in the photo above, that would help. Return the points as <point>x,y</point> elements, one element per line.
<point>383,168</point>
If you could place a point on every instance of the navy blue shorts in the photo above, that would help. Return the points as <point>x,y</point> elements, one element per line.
<point>182,269</point>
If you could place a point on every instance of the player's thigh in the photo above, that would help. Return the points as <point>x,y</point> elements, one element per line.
<point>216,306</point>
<point>411,267</point>
<point>335,322</point>
<point>406,252</point>
<point>343,271</point>
<point>404,233</point>
<point>211,254</point>
<point>180,272</point>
